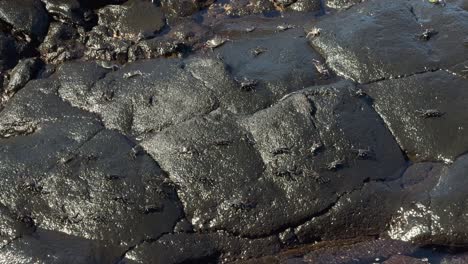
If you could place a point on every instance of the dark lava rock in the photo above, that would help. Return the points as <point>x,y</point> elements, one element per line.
<point>183,8</point>
<point>21,74</point>
<point>49,247</point>
<point>8,52</point>
<point>426,113</point>
<point>340,252</point>
<point>25,17</point>
<point>62,43</point>
<point>399,259</point>
<point>366,252</point>
<point>237,8</point>
<point>390,30</point>
<point>200,248</point>
<point>62,169</point>
<point>65,10</point>
<point>119,28</point>
<point>136,19</point>
<point>238,141</point>
<point>141,98</point>
<point>280,63</point>
<point>438,216</point>
<point>342,4</point>
<point>100,3</point>
<point>305,5</point>
<point>272,160</point>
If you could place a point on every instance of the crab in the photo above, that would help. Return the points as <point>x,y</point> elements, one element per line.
<point>215,42</point>
<point>430,113</point>
<point>188,150</point>
<point>314,32</point>
<point>250,29</point>
<point>281,151</point>
<point>316,147</point>
<point>360,93</point>
<point>363,154</point>
<point>108,65</point>
<point>131,74</point>
<point>223,142</point>
<point>438,2</point>
<point>136,151</point>
<point>258,50</point>
<point>321,68</point>
<point>427,34</point>
<point>247,84</point>
<point>336,165</point>
<point>284,27</point>
<point>466,68</point>
<point>108,95</point>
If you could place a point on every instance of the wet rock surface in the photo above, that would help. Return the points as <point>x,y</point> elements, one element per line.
<point>256,131</point>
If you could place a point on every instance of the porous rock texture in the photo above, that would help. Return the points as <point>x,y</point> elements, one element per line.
<point>251,131</point>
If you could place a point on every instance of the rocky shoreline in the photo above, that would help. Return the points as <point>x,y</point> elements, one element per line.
<point>249,131</point>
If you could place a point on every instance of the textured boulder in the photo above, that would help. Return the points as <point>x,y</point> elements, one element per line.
<point>264,166</point>
<point>78,178</point>
<point>392,30</point>
<point>201,248</point>
<point>142,98</point>
<point>438,215</point>
<point>426,113</point>
<point>28,18</point>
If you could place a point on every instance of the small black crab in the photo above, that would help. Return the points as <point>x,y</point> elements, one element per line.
<point>363,154</point>
<point>336,165</point>
<point>215,42</point>
<point>316,148</point>
<point>360,93</point>
<point>438,2</point>
<point>258,50</point>
<point>427,34</point>
<point>314,32</point>
<point>247,84</point>
<point>430,113</point>
<point>322,69</point>
<point>250,29</point>
<point>132,74</point>
<point>284,27</point>
<point>280,151</point>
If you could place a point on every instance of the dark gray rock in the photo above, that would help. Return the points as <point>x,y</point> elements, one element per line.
<point>12,227</point>
<point>399,259</point>
<point>305,6</point>
<point>290,149</point>
<point>279,63</point>
<point>396,26</point>
<point>62,43</point>
<point>8,52</point>
<point>100,3</point>
<point>183,8</point>
<point>239,8</point>
<point>342,4</point>
<point>368,252</point>
<point>46,247</point>
<point>63,170</point>
<point>436,214</point>
<point>200,248</point>
<point>24,71</point>
<point>208,154</point>
<point>136,19</point>
<point>28,18</point>
<point>426,113</point>
<point>65,10</point>
<point>140,98</point>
